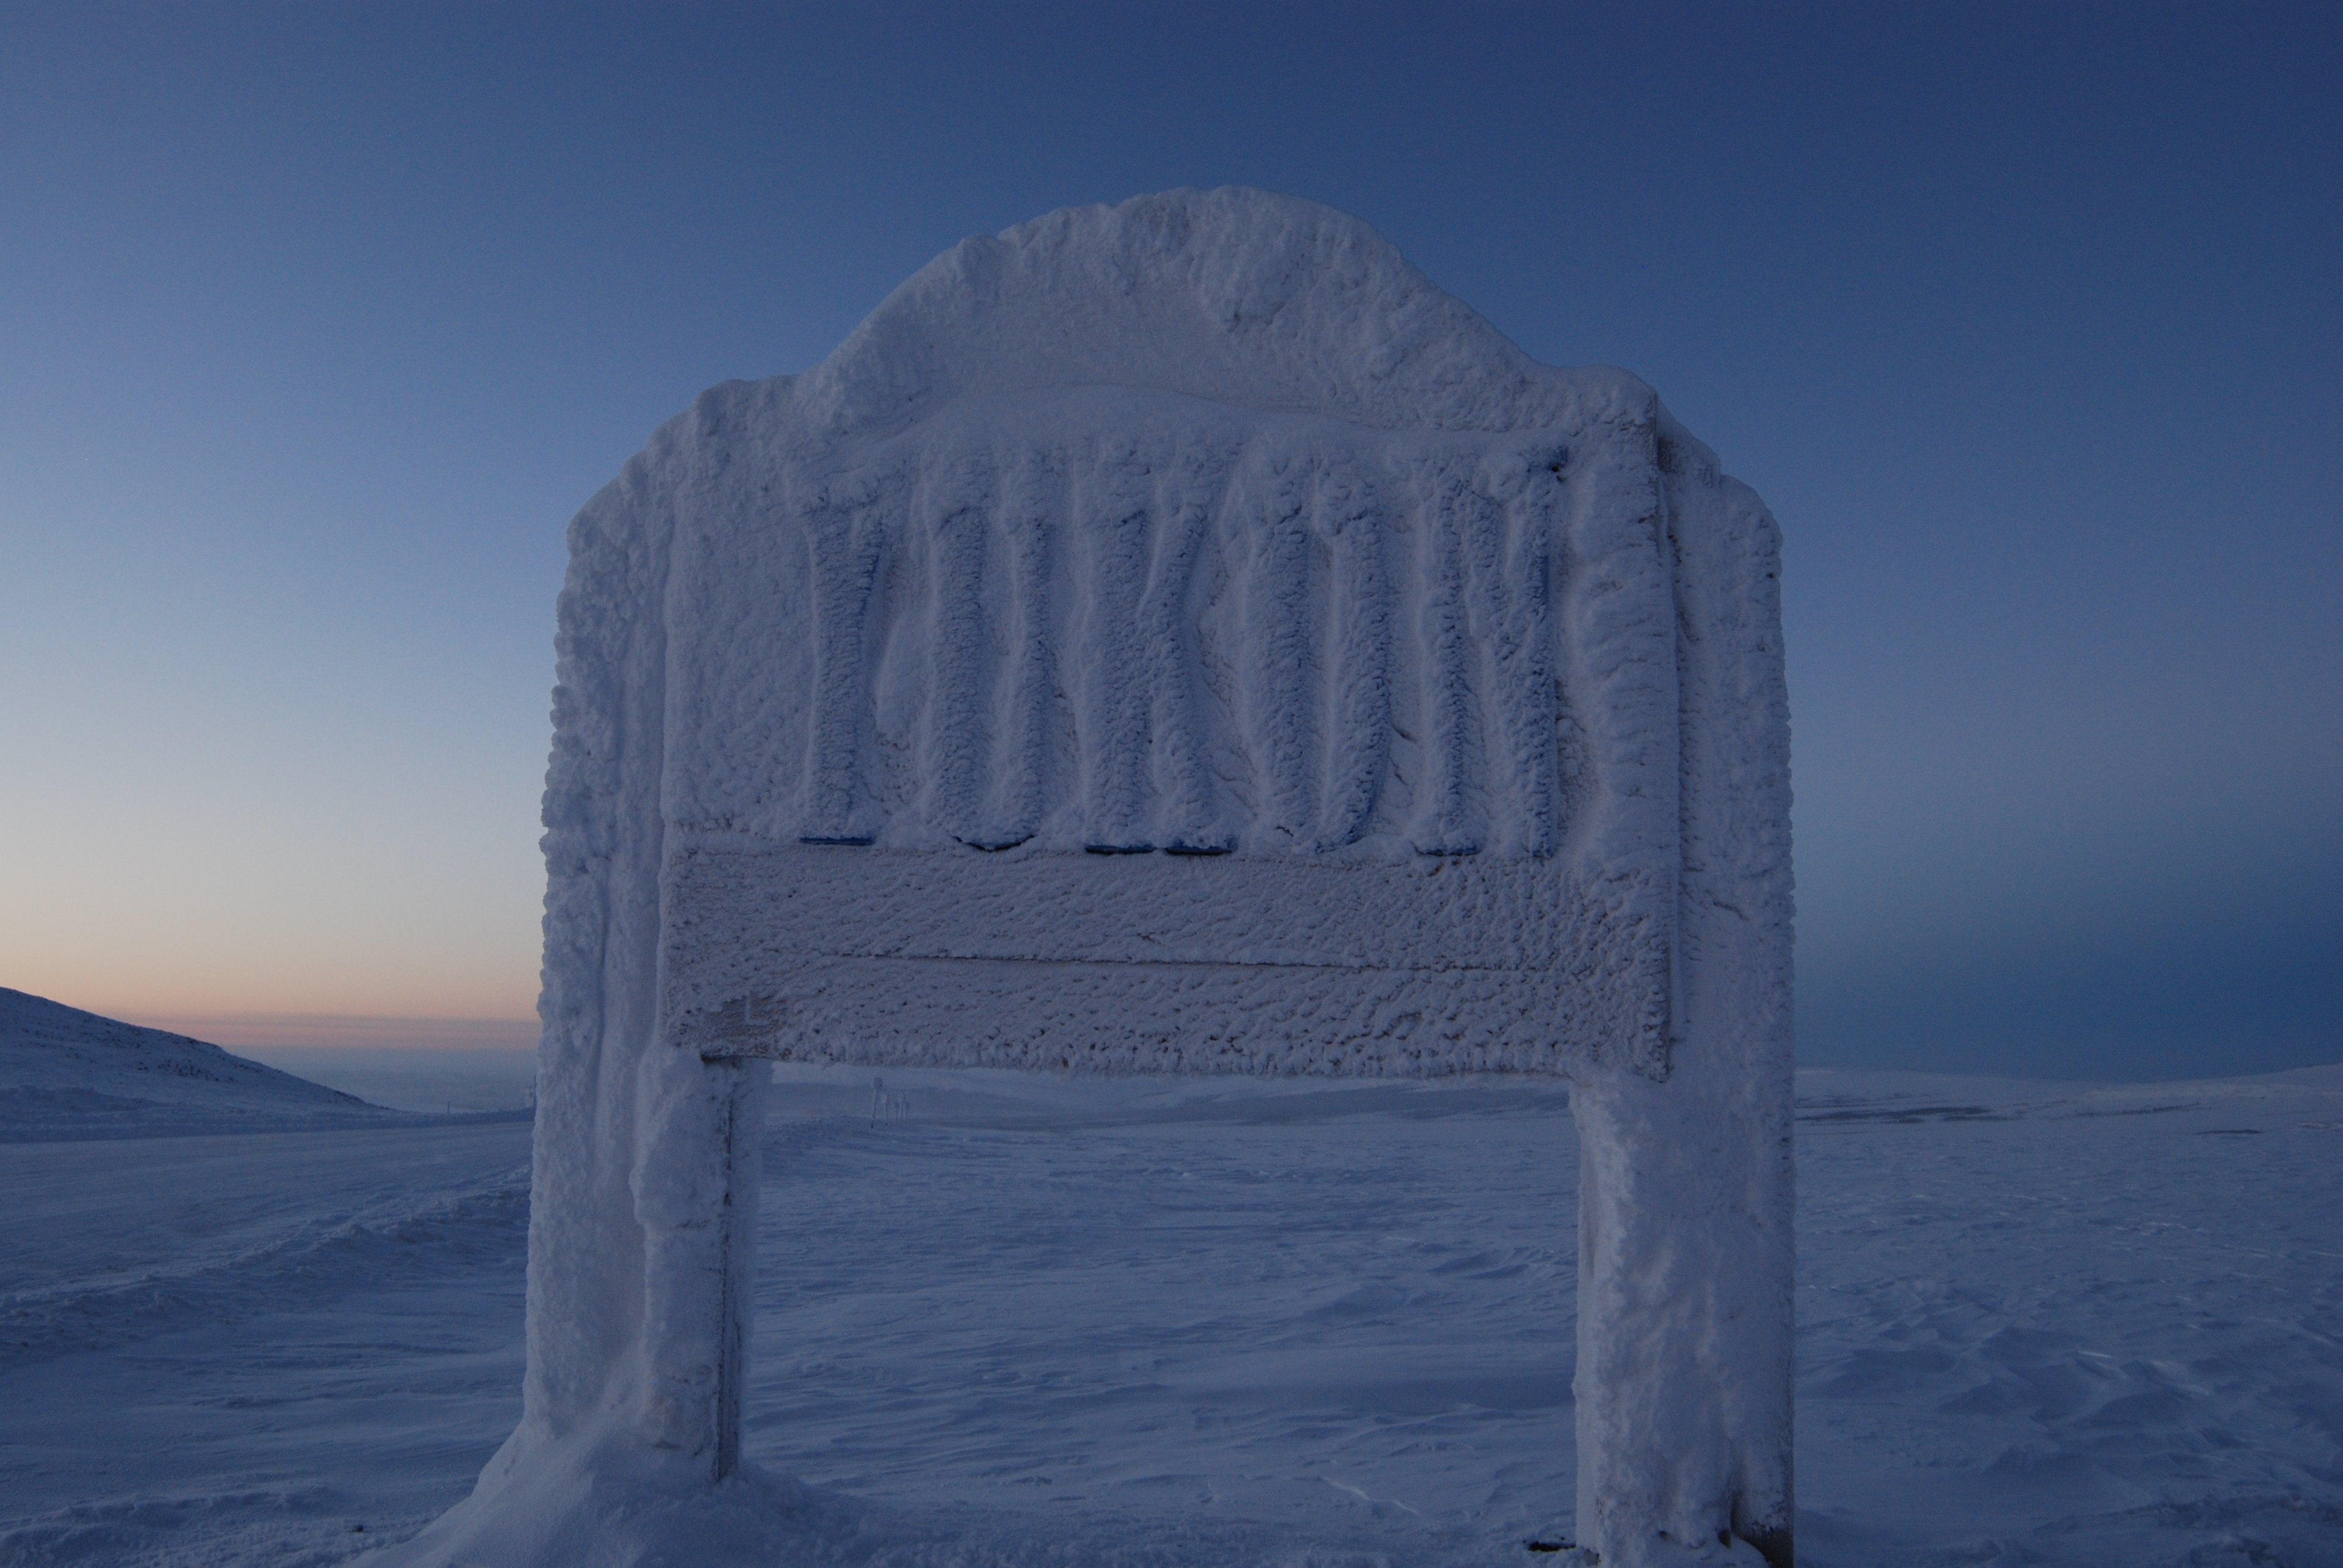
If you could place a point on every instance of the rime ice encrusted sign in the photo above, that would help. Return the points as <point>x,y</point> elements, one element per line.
<point>1061,962</point>
<point>1177,638</point>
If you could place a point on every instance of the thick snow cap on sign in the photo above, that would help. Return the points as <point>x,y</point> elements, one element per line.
<point>1232,295</point>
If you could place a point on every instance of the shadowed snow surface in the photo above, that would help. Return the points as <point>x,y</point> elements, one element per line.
<point>1006,1320</point>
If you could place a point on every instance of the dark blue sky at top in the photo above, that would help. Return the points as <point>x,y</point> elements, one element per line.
<point>317,322</point>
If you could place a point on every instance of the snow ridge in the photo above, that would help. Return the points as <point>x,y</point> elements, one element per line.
<point>69,1074</point>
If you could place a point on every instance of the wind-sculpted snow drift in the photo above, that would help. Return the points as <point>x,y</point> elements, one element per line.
<point>1170,638</point>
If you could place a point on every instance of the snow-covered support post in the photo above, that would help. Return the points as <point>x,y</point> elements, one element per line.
<point>1685,1249</point>
<point>1686,1201</point>
<point>1167,638</point>
<point>1683,1379</point>
<point>696,1195</point>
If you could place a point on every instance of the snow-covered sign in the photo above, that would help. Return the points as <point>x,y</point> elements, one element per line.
<point>1178,637</point>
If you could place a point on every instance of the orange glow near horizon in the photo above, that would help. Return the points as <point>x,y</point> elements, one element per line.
<point>340,1031</point>
<point>431,922</point>
<point>232,994</point>
<point>194,986</point>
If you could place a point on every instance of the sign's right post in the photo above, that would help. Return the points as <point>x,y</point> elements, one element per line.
<point>1686,1255</point>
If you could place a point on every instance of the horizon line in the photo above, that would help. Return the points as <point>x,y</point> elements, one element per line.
<point>343,1031</point>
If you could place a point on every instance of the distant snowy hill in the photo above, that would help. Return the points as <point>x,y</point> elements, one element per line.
<point>69,1074</point>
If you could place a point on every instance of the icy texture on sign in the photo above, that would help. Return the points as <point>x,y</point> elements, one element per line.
<point>1077,961</point>
<point>1202,527</point>
<point>1199,524</point>
<point>1123,621</point>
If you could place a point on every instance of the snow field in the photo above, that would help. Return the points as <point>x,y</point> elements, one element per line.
<point>253,1349</point>
<point>1332,1320</point>
<point>2098,1329</point>
<point>1032,1322</point>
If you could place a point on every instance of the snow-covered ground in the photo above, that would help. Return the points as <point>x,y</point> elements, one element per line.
<point>1039,1321</point>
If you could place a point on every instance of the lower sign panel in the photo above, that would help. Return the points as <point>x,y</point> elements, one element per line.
<point>1159,965</point>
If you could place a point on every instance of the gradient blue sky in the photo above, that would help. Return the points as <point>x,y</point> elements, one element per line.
<point>317,322</point>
